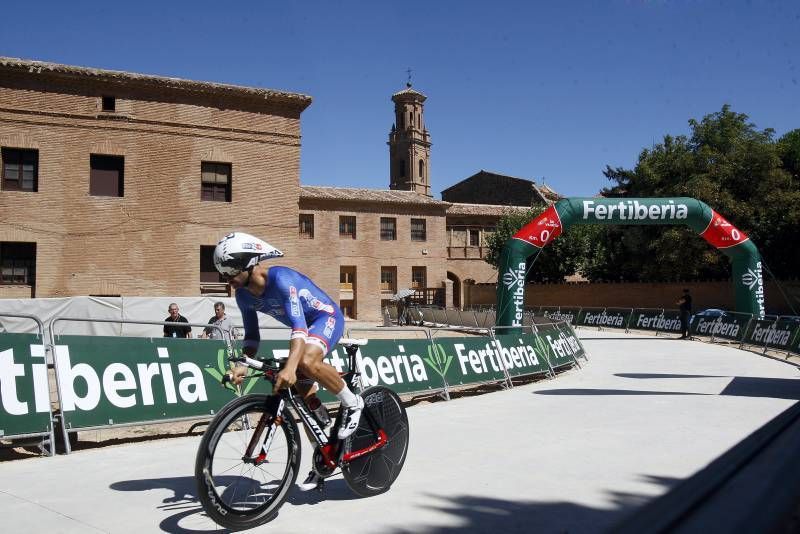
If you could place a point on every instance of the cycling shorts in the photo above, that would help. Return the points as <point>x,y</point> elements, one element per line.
<point>325,331</point>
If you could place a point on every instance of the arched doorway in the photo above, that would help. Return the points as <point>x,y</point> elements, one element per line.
<point>457,297</point>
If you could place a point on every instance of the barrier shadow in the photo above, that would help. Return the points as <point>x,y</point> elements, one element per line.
<point>475,514</point>
<point>190,518</point>
<point>739,386</point>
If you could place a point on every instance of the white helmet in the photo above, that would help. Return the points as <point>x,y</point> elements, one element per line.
<point>238,252</point>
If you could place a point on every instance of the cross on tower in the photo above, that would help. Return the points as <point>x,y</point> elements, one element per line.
<point>408,83</point>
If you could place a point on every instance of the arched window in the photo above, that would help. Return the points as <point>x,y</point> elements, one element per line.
<point>401,168</point>
<point>421,169</point>
<point>418,122</point>
<point>411,119</point>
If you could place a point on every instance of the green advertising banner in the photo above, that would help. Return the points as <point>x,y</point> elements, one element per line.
<point>771,333</point>
<point>565,347</point>
<point>604,317</point>
<point>659,320</point>
<point>116,380</point>
<point>795,347</point>
<point>726,326</point>
<point>111,380</point>
<point>24,389</point>
<point>524,246</point>
<point>558,314</point>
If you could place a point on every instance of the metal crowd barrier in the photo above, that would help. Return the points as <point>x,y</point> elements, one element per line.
<point>65,424</point>
<point>49,432</point>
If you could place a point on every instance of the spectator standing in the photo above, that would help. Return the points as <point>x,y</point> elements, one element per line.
<point>685,305</point>
<point>221,320</point>
<point>176,330</point>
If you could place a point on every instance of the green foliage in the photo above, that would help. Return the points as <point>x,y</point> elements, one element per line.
<point>562,257</point>
<point>738,170</point>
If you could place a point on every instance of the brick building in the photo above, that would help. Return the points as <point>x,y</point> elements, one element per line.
<point>116,183</point>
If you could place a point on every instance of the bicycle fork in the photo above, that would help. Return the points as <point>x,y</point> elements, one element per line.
<point>272,417</point>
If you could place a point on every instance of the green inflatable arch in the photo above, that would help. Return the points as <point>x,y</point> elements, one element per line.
<point>748,283</point>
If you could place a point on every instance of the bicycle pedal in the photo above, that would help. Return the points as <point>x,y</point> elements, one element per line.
<point>320,486</point>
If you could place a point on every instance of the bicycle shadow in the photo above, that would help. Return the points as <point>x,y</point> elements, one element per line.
<point>479,514</point>
<point>190,517</point>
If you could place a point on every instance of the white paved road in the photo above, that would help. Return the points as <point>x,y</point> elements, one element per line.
<point>574,454</point>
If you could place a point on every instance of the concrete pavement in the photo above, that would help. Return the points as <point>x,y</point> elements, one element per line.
<point>572,454</point>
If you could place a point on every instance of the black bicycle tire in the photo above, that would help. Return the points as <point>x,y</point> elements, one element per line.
<point>217,510</point>
<point>357,472</point>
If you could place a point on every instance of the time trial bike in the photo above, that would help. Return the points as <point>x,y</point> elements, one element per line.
<point>249,456</point>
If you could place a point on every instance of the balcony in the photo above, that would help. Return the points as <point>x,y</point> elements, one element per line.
<point>467,253</point>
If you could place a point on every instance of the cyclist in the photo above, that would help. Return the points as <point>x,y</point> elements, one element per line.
<point>294,300</point>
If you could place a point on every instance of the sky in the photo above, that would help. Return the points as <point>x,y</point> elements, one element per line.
<point>547,91</point>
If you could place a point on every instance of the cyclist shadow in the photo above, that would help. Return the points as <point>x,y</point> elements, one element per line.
<point>190,518</point>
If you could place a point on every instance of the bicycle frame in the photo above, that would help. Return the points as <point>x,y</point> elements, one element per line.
<point>329,446</point>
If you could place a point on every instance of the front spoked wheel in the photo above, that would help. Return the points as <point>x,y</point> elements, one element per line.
<point>375,472</point>
<point>238,490</point>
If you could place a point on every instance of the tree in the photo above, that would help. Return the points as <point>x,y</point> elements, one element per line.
<point>728,163</point>
<point>563,257</point>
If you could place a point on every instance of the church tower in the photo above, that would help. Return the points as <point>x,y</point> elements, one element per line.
<point>409,144</point>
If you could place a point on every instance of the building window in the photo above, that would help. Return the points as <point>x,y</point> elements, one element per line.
<point>418,232</point>
<point>419,277</point>
<point>215,181</point>
<point>109,103</point>
<point>347,226</point>
<point>421,169</point>
<point>208,273</point>
<point>17,263</point>
<point>401,168</point>
<point>348,308</point>
<point>106,176</point>
<point>307,225</point>
<point>389,279</point>
<point>20,169</point>
<point>347,278</point>
<point>474,238</point>
<point>388,229</point>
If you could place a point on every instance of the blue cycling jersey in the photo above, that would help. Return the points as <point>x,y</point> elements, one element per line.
<point>294,300</point>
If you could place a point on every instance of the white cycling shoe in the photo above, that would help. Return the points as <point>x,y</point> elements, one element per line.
<point>351,415</point>
<point>312,481</point>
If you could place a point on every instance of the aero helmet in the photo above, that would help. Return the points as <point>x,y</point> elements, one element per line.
<point>238,252</point>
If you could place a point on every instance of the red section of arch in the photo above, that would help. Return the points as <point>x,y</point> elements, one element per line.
<point>721,233</point>
<point>543,229</point>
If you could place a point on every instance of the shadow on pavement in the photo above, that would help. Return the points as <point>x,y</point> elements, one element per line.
<point>473,514</point>
<point>739,386</point>
<point>191,519</point>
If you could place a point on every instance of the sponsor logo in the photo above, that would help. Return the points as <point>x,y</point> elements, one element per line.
<point>330,324</point>
<point>488,358</point>
<point>516,277</point>
<point>294,301</point>
<point>559,316</point>
<point>658,322</point>
<point>313,302</point>
<point>771,335</point>
<point>754,281</point>
<point>717,327</point>
<point>438,359</point>
<point>564,346</point>
<point>387,369</point>
<point>223,367</point>
<point>603,319</point>
<point>117,383</point>
<point>632,210</point>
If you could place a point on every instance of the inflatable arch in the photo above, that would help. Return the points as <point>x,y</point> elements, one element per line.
<point>748,282</point>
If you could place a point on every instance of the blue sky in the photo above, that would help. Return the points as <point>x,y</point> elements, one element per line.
<point>551,91</point>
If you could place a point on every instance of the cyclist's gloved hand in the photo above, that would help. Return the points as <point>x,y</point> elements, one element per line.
<point>285,378</point>
<point>236,375</point>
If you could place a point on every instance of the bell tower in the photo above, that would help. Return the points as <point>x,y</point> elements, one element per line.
<point>409,144</point>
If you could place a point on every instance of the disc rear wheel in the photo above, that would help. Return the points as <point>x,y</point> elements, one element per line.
<point>375,472</point>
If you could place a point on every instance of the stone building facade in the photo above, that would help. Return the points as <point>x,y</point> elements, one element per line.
<point>113,183</point>
<point>117,183</point>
